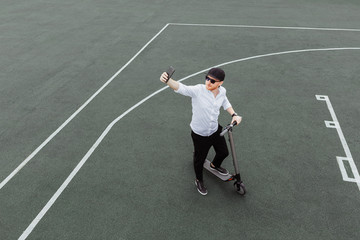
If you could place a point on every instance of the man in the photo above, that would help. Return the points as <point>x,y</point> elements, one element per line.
<point>207,99</point>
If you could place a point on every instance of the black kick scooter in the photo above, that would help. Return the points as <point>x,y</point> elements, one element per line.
<point>238,185</point>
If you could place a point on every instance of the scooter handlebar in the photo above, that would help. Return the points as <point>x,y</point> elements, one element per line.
<point>228,128</point>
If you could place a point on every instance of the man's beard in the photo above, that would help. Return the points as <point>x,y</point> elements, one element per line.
<point>210,88</point>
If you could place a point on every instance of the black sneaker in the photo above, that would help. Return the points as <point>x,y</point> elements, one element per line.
<point>220,170</point>
<point>200,187</point>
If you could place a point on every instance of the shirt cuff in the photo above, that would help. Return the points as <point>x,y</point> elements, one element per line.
<point>179,89</point>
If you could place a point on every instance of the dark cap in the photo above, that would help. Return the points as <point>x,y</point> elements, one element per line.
<point>217,73</point>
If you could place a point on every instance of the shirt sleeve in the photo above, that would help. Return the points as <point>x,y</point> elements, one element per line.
<point>226,104</point>
<point>189,91</point>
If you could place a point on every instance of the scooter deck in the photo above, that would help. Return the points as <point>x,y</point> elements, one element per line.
<point>222,177</point>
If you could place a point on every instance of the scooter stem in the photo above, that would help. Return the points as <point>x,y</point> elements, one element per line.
<point>233,153</point>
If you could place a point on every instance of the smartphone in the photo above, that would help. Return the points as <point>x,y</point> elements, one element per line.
<point>170,72</point>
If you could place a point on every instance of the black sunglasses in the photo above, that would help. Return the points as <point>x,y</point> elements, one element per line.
<point>211,80</point>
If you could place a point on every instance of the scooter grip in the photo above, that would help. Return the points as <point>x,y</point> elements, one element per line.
<point>227,128</point>
<point>224,131</point>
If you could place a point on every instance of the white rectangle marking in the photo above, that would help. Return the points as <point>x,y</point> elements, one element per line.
<point>332,124</point>
<point>344,174</point>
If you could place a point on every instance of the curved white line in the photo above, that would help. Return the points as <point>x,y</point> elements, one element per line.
<point>41,214</point>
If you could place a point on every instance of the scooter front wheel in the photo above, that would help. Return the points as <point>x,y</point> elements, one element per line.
<point>240,188</point>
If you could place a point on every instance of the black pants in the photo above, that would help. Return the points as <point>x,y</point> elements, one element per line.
<point>202,146</point>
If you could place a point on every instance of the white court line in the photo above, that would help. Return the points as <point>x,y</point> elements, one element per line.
<point>265,27</point>
<point>13,173</point>
<point>49,204</point>
<point>335,124</point>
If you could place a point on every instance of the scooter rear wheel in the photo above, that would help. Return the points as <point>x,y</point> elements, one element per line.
<point>240,188</point>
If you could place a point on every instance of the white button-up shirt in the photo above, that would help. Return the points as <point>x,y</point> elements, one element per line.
<point>205,107</point>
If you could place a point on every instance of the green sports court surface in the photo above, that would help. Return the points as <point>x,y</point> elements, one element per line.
<point>94,146</point>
